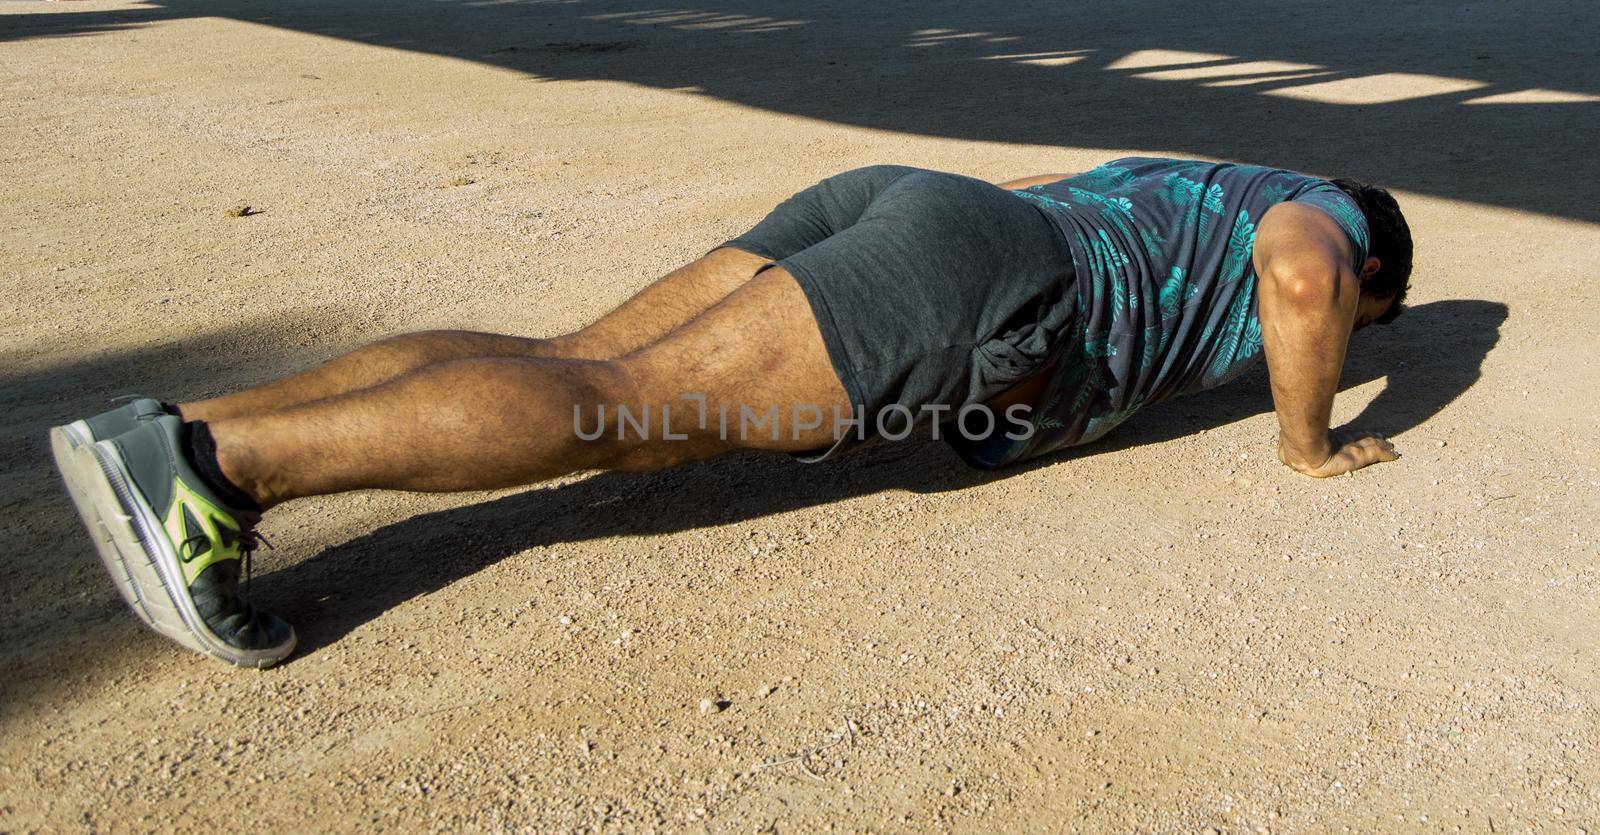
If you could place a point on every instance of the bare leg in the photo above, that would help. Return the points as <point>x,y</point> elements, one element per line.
<point>653,313</point>
<point>494,422</point>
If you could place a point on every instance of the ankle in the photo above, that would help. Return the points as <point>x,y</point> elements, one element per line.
<point>223,464</point>
<point>191,412</point>
<point>237,463</point>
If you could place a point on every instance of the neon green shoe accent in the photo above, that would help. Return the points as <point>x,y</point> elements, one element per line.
<point>175,548</point>
<point>202,533</point>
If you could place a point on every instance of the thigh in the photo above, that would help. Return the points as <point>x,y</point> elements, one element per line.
<point>660,308</point>
<point>755,356</point>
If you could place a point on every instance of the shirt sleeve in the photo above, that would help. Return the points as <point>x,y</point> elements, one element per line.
<point>1344,211</point>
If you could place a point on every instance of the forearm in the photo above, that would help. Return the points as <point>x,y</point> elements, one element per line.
<point>1306,323</point>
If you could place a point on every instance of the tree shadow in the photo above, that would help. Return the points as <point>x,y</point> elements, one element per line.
<point>1495,105</point>
<point>1430,356</point>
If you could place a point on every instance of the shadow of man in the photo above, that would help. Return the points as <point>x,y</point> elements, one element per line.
<point>1429,356</point>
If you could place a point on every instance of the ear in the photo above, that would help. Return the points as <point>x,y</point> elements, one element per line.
<point>1369,268</point>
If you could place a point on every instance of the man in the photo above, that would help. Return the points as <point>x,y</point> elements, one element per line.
<point>879,298</point>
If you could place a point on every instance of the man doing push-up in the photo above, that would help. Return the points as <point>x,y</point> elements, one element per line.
<point>1019,319</point>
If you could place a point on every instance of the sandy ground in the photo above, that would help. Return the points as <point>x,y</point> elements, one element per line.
<point>1166,631</point>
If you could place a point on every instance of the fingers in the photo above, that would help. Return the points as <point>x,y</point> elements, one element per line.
<point>1372,449</point>
<point>1370,442</point>
<point>1355,454</point>
<point>1353,449</point>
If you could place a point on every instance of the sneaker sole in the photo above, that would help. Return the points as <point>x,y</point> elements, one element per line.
<point>143,554</point>
<point>64,441</point>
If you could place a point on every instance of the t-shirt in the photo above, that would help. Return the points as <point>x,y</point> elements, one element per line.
<point>1166,286</point>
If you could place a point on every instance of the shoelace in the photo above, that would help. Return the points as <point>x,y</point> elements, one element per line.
<point>249,541</point>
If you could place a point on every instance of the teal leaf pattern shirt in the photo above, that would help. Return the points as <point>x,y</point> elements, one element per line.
<point>1166,284</point>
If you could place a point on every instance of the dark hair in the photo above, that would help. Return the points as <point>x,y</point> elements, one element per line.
<point>1391,244</point>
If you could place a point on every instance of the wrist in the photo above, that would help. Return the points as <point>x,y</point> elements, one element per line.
<point>1304,457</point>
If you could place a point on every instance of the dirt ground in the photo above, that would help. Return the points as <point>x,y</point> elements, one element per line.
<point>1166,631</point>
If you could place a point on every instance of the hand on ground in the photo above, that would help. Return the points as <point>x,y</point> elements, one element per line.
<point>1352,450</point>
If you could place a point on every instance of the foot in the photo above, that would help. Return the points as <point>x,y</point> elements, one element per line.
<point>177,551</point>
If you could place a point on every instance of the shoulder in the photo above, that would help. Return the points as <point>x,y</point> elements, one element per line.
<point>1299,238</point>
<point>1297,217</point>
<point>1341,210</point>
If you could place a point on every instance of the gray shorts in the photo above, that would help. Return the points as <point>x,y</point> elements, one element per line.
<point>929,288</point>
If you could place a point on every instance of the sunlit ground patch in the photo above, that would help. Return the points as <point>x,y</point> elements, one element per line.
<point>1535,96</point>
<point>1226,70</point>
<point>1162,58</point>
<point>1382,88</point>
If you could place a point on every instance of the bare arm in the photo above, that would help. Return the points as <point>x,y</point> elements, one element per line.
<point>1037,180</point>
<point>1309,296</point>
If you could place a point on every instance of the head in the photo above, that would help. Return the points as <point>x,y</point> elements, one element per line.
<point>1386,274</point>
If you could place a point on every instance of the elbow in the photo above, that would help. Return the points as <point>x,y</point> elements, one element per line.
<point>1303,288</point>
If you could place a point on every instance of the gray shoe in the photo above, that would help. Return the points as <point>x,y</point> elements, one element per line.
<point>65,439</point>
<point>110,424</point>
<point>177,550</point>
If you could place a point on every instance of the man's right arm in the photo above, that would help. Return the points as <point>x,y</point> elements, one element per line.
<point>1309,295</point>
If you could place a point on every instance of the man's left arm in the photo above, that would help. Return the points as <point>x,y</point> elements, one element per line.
<point>1309,293</point>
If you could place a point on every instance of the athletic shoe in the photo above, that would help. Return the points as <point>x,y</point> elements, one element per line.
<point>110,424</point>
<point>65,439</point>
<point>177,549</point>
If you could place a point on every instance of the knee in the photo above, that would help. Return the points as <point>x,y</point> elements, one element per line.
<point>418,348</point>
<point>641,420</point>
<point>659,400</point>
<point>595,344</point>
<point>420,340</point>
